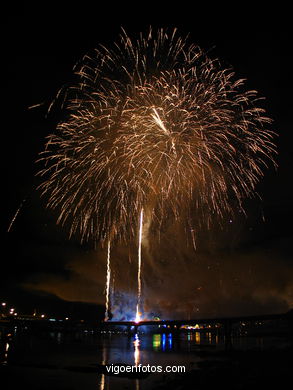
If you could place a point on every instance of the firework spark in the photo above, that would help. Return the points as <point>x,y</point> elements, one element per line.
<point>153,123</point>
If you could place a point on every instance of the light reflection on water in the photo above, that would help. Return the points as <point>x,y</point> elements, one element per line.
<point>158,342</point>
<point>155,349</point>
<point>136,349</point>
<point>63,354</point>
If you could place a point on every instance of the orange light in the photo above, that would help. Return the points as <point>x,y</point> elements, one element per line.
<point>137,318</point>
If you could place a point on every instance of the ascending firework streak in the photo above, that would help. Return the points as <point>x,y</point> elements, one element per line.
<point>137,317</point>
<point>108,280</point>
<point>155,124</point>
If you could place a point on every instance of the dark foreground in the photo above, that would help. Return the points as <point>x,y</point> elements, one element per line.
<point>217,369</point>
<point>251,370</point>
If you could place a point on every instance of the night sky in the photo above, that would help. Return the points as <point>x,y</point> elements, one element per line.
<point>244,268</point>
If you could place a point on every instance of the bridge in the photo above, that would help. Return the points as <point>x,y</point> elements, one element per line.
<point>193,322</point>
<point>225,323</point>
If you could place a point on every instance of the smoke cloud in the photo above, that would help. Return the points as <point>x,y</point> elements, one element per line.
<point>216,279</point>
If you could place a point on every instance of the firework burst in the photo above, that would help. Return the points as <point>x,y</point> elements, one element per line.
<point>153,124</point>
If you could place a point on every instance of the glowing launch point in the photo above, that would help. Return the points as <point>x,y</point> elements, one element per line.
<point>137,318</point>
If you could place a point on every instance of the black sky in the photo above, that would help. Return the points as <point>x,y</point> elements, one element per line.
<point>39,51</point>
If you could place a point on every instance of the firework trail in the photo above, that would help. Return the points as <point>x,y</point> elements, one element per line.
<point>137,317</point>
<point>108,280</point>
<point>153,124</point>
<point>15,215</point>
